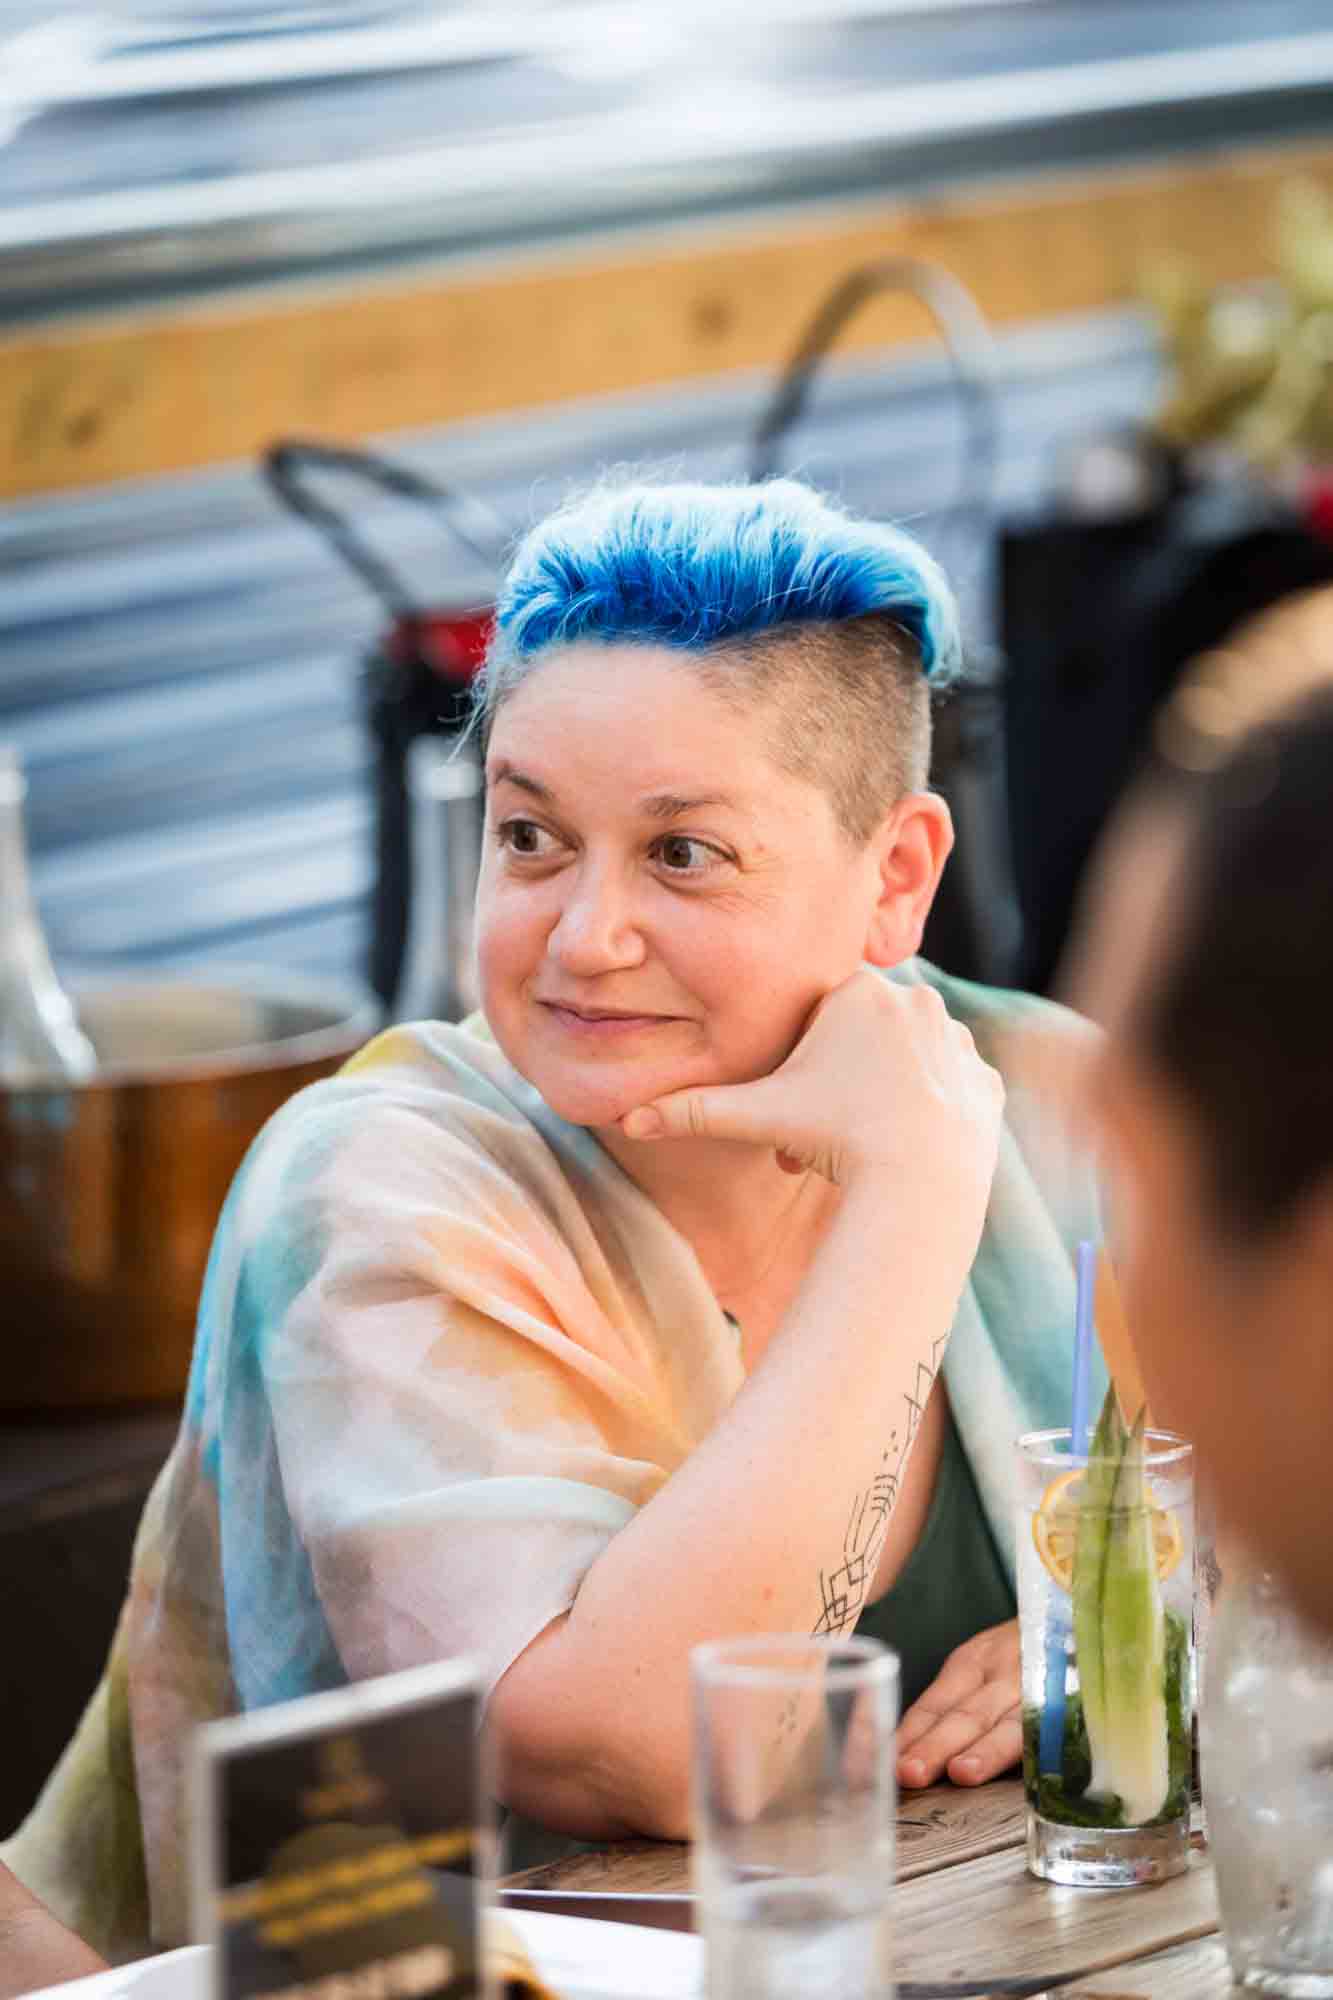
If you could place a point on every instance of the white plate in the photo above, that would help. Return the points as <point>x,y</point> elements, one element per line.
<point>173,1975</point>
<point>580,1958</point>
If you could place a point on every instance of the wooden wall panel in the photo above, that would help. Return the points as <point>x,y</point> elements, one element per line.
<point>93,399</point>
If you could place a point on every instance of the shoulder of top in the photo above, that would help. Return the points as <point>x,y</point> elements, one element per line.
<point>420,1048</point>
<point>428,1070</point>
<point>1008,1012</point>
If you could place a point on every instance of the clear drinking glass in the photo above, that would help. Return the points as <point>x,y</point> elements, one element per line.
<point>1107,1659</point>
<point>1267,1766</point>
<point>794,1804</point>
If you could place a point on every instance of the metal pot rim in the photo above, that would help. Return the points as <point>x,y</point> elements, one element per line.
<point>354,1015</point>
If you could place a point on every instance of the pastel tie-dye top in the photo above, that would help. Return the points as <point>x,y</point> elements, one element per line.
<point>446,1347</point>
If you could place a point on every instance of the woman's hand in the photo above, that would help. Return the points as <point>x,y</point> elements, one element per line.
<point>969,1721</point>
<point>882,1079</point>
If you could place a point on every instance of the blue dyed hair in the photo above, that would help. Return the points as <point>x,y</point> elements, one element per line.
<point>727,576</point>
<point>700,566</point>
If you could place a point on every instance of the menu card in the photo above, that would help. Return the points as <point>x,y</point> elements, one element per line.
<point>343,1845</point>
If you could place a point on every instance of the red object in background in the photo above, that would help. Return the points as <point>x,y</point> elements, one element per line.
<point>451,643</point>
<point>418,677</point>
<point>1319,503</point>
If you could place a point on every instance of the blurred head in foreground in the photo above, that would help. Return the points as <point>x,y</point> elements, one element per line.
<point>1209,956</point>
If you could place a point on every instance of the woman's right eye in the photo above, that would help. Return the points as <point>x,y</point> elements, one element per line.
<point>525,839</point>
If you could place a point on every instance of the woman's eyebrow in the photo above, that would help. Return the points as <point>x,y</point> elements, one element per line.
<point>658,806</point>
<point>506,773</point>
<point>673,805</point>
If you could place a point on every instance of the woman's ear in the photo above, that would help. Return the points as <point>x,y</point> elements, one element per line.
<point>911,848</point>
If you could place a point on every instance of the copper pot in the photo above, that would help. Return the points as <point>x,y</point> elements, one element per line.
<point>110,1191</point>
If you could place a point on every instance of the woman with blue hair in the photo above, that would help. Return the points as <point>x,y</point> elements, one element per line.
<point>695,1287</point>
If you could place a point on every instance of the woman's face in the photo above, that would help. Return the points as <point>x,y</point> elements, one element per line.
<point>660,905</point>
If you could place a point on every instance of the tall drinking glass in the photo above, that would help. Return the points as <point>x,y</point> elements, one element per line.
<point>1105,1604</point>
<point>794,1803</point>
<point>1267,1757</point>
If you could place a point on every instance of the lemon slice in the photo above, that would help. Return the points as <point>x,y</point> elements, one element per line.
<point>1055,1531</point>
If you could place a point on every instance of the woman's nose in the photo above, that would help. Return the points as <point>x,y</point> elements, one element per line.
<point>596,929</point>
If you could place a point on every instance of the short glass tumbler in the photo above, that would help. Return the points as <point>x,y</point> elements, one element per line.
<point>794,1806</point>
<point>1106,1604</point>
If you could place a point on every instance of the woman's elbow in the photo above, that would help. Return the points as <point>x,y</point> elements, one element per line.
<point>593,1800</point>
<point>562,1761</point>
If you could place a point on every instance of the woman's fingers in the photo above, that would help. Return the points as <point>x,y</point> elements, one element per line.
<point>881,1082</point>
<point>961,1680</point>
<point>953,1732</point>
<point>988,1659</point>
<point>969,1720</point>
<point>967,1746</point>
<point>992,1754</point>
<point>747,1111</point>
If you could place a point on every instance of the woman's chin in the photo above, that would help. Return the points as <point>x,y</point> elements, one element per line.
<point>599,1101</point>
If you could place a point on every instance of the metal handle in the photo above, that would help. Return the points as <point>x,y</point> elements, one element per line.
<point>287,466</point>
<point>967,341</point>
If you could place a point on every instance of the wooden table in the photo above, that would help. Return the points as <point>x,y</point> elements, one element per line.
<point>966,1904</point>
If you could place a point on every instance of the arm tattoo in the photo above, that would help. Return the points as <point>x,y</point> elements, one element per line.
<point>842,1591</point>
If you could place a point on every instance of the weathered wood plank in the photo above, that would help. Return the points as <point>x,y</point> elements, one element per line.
<point>944,1826</point>
<point>936,1829</point>
<point>1188,1972</point>
<point>966,1904</point>
<point>624,1867</point>
<point>965,1913</point>
<point>990,1914</point>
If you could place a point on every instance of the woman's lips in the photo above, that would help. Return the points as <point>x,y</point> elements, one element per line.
<point>591,1025</point>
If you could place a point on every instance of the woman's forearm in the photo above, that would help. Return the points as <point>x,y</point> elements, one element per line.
<point>35,1948</point>
<point>775,1523</point>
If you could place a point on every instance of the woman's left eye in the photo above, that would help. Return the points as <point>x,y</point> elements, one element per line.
<point>682,855</point>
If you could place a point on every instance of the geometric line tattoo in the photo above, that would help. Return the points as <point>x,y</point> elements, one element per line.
<point>842,1591</point>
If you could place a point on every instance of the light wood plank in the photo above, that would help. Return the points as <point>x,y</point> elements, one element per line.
<point>965,1908</point>
<point>944,1826</point>
<point>93,399</point>
<point>991,1915</point>
<point>936,1829</point>
<point>1188,1972</point>
<point>623,1867</point>
<point>987,1915</point>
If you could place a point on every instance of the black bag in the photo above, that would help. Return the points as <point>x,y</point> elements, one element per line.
<point>417,679</point>
<point>1098,619</point>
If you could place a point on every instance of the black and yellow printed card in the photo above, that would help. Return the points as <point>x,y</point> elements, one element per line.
<point>342,1844</point>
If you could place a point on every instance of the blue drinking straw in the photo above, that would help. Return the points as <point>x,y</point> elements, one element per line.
<point>1083,1335</point>
<point>1050,1749</point>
